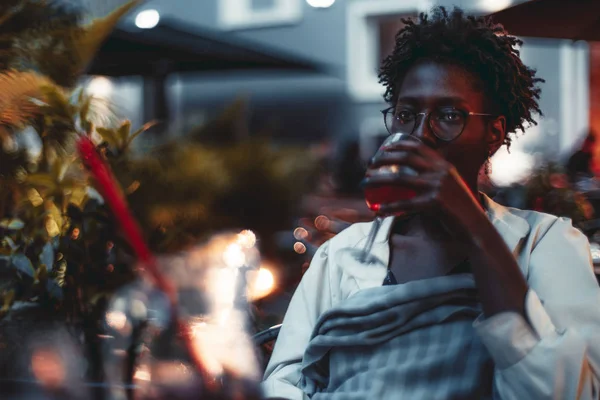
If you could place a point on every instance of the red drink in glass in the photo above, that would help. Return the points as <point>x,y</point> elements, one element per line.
<point>378,195</point>
<point>375,196</point>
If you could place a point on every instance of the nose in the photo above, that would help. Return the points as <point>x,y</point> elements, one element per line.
<point>422,130</point>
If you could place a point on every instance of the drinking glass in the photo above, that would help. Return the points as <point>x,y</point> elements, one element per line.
<point>212,283</point>
<point>377,195</point>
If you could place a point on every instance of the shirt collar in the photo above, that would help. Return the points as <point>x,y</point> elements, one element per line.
<point>511,227</point>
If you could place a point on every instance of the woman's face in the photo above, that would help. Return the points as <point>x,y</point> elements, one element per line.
<point>430,86</point>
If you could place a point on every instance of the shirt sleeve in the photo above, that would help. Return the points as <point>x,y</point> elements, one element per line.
<point>310,300</point>
<point>556,353</point>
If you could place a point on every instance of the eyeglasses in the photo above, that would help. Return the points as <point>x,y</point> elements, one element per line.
<point>446,123</point>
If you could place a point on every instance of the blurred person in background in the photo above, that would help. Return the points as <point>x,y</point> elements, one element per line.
<point>472,300</point>
<point>350,170</point>
<point>580,164</point>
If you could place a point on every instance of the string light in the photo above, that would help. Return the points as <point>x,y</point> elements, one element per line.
<point>147,19</point>
<point>495,5</point>
<point>320,3</point>
<point>100,87</point>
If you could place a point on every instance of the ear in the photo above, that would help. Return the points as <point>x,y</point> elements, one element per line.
<point>497,133</point>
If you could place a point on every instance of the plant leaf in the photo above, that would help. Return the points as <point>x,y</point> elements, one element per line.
<point>110,136</point>
<point>58,103</point>
<point>59,167</point>
<point>18,90</point>
<point>84,103</point>
<point>88,43</point>
<point>143,129</point>
<point>123,133</point>
<point>42,180</point>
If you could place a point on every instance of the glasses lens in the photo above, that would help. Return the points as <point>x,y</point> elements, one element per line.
<point>403,122</point>
<point>447,124</point>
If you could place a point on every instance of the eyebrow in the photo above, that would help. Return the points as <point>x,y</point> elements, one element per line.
<point>419,100</point>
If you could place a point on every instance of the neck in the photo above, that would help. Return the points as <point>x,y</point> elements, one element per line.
<point>471,181</point>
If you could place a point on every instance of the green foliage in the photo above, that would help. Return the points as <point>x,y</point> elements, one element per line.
<point>120,139</point>
<point>181,192</point>
<point>56,239</point>
<point>49,37</point>
<point>60,245</point>
<point>549,190</point>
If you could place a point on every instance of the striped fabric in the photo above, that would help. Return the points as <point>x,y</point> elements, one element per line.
<point>410,341</point>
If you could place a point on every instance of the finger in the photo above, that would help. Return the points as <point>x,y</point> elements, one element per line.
<point>417,203</point>
<point>400,158</point>
<point>423,181</point>
<point>347,215</point>
<point>322,225</point>
<point>337,225</point>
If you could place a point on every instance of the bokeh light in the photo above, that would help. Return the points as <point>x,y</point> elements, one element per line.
<point>52,227</point>
<point>100,87</point>
<point>322,223</point>
<point>116,320</point>
<point>142,373</point>
<point>508,169</point>
<point>246,239</point>
<point>320,3</point>
<point>234,256</point>
<point>300,233</point>
<point>494,5</point>
<point>48,368</point>
<point>299,248</point>
<point>138,309</point>
<point>595,251</point>
<point>147,19</point>
<point>34,197</point>
<point>261,283</point>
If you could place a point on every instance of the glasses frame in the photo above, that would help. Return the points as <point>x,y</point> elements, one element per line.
<point>427,117</point>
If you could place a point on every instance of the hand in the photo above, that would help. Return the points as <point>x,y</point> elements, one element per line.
<point>438,184</point>
<point>329,223</point>
<point>502,286</point>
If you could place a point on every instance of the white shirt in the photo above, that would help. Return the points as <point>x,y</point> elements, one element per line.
<point>554,356</point>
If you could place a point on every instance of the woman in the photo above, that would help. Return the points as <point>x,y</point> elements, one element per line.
<point>477,300</point>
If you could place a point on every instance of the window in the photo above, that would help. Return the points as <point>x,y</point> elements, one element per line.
<point>243,14</point>
<point>371,27</point>
<point>595,86</point>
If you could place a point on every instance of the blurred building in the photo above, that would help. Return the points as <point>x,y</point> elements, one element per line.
<point>349,36</point>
